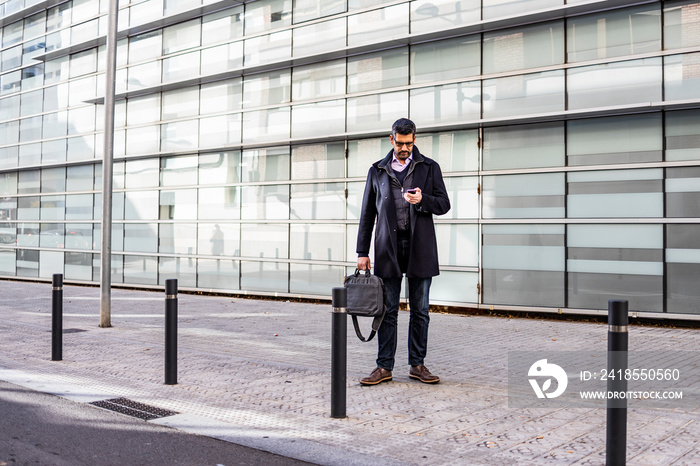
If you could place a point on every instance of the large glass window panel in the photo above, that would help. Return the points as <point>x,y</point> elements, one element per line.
<point>523,265</point>
<point>220,203</point>
<point>177,238</point>
<point>218,239</point>
<point>145,11</point>
<point>35,25</point>
<point>270,164</point>
<point>30,129</point>
<point>267,240</point>
<point>142,140</point>
<point>11,58</point>
<point>317,242</point>
<point>373,26</point>
<point>176,6</point>
<point>376,112</point>
<point>264,276</point>
<point>524,94</point>
<point>266,125</point>
<point>58,17</point>
<point>681,24</point>
<point>145,46</point>
<point>683,135</point>
<point>682,268</point>
<point>81,90</point>
<point>464,197</point>
<point>614,33</point>
<point>181,67</point>
<point>27,263</point>
<point>445,59</point>
<point>318,119</point>
<point>9,131</point>
<point>223,58</point>
<point>83,63</point>
<point>222,26</point>
<point>221,96</point>
<point>30,154</point>
<point>31,103</point>
<point>10,106</point>
<point>378,70</point>
<point>267,89</point>
<point>683,192</point>
<point>364,152</point>
<point>180,103</point>
<point>621,83</point>
<point>178,205</point>
<point>265,202</point>
<point>183,269</point>
<point>220,131</point>
<point>615,193</point>
<point>220,168</point>
<point>141,110</point>
<point>318,201</point>
<point>52,235</point>
<point>118,205</point>
<point>268,48</point>
<point>9,156</point>
<point>182,36</point>
<point>79,207</point>
<point>525,146</point>
<point>448,103</point>
<point>49,263</point>
<point>354,202</point>
<point>178,171</point>
<point>180,135</point>
<point>10,82</point>
<point>79,236</point>
<point>81,120</point>
<point>265,15</point>
<point>682,76</point>
<point>55,97</point>
<point>117,238</point>
<point>141,205</point>
<point>81,148</point>
<point>79,178</point>
<point>28,234</point>
<point>524,196</point>
<point>29,182</point>
<point>53,180</point>
<point>32,77</point>
<point>318,161</point>
<point>305,39</point>
<point>55,124</point>
<point>615,262</point>
<point>141,270</point>
<point>56,71</point>
<point>437,15</point>
<point>457,287</point>
<point>524,47</point>
<point>12,33</point>
<point>28,208</point>
<point>142,76</point>
<point>458,245</point>
<point>140,237</point>
<point>314,279</point>
<point>455,151</point>
<point>8,183</point>
<point>218,274</point>
<point>318,80</point>
<point>305,10</point>
<point>628,139</point>
<point>78,266</point>
<point>8,262</point>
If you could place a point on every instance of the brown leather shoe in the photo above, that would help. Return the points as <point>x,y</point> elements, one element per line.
<point>423,374</point>
<point>377,376</point>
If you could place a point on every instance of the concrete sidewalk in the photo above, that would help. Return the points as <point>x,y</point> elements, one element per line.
<point>257,373</point>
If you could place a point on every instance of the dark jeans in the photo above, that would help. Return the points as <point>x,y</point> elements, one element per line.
<point>418,299</point>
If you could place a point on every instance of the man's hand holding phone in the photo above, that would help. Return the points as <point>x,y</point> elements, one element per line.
<point>413,195</point>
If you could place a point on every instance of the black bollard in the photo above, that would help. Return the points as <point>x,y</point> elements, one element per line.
<point>616,438</point>
<point>171,331</point>
<point>57,317</point>
<point>339,352</point>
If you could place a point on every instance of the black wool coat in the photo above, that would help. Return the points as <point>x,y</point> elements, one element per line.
<point>378,206</point>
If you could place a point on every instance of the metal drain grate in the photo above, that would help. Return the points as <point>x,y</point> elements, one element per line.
<point>134,409</point>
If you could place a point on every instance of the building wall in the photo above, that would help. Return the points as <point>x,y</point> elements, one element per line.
<point>569,136</point>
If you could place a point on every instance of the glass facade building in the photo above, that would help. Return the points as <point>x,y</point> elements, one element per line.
<point>568,133</point>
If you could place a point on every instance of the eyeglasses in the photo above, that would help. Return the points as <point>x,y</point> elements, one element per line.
<point>401,144</point>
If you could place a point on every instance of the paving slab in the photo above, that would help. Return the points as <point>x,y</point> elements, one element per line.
<point>257,372</point>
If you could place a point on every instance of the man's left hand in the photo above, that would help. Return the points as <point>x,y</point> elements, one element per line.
<point>413,198</point>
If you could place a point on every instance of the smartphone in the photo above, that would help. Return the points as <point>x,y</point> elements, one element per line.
<point>411,191</point>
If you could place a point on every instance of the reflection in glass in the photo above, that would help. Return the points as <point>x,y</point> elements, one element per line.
<point>436,15</point>
<point>524,94</point>
<point>317,201</point>
<point>682,268</point>
<point>524,196</point>
<point>524,47</point>
<point>526,146</point>
<point>323,242</point>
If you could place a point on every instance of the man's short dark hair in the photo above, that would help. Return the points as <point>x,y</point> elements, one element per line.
<point>403,126</point>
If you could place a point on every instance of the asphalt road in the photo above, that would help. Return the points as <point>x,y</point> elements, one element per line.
<point>41,429</point>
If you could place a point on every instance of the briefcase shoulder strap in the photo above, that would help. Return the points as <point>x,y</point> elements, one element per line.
<point>376,322</point>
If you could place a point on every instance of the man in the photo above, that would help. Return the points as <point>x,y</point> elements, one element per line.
<point>403,192</point>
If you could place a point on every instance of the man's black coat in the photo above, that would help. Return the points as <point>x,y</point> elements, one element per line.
<point>378,204</point>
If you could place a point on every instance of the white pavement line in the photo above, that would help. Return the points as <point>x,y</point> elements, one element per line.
<point>48,384</point>
<point>273,441</point>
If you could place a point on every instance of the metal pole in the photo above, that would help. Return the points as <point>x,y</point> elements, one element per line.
<point>57,317</point>
<point>616,438</point>
<point>339,350</point>
<point>107,169</point>
<point>171,331</point>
